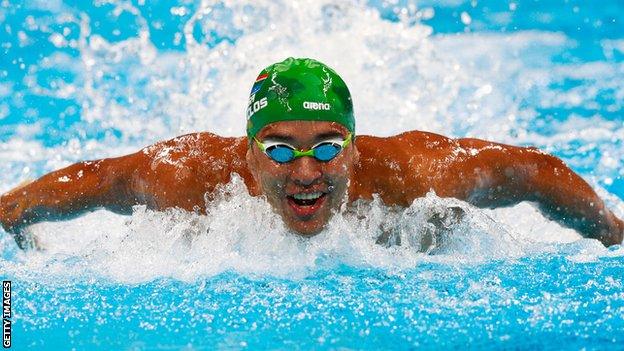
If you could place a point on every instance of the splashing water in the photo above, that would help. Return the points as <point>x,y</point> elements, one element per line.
<point>91,81</point>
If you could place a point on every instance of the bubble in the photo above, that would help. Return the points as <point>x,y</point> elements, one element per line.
<point>465,18</point>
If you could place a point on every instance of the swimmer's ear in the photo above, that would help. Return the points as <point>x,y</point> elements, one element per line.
<point>252,165</point>
<point>356,155</point>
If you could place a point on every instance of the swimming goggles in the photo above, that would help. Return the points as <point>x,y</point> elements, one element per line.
<point>324,151</point>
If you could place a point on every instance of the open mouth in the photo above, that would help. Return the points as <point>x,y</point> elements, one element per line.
<point>306,204</point>
<point>306,199</point>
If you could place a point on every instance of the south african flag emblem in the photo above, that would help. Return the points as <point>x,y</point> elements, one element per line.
<point>258,84</point>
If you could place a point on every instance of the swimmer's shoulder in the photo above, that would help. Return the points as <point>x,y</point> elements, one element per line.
<point>425,139</point>
<point>195,162</point>
<point>410,142</point>
<point>431,142</point>
<point>486,147</point>
<point>195,147</point>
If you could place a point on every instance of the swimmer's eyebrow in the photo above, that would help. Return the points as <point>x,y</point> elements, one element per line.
<point>329,135</point>
<point>288,139</point>
<point>278,137</point>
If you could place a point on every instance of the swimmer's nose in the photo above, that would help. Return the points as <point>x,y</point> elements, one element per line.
<point>306,171</point>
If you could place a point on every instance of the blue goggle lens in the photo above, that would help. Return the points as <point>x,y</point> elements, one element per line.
<point>326,152</point>
<point>281,153</point>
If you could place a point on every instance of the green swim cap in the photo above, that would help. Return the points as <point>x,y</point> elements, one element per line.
<point>298,89</point>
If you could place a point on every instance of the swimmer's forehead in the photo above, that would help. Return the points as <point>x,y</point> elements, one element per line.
<point>302,131</point>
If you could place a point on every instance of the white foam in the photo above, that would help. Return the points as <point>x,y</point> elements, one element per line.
<point>242,234</point>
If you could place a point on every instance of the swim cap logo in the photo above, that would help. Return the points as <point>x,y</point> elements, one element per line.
<point>316,106</point>
<point>258,83</point>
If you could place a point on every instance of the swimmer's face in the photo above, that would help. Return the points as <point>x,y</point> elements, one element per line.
<point>305,191</point>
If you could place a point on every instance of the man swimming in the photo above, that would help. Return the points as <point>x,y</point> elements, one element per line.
<point>301,153</point>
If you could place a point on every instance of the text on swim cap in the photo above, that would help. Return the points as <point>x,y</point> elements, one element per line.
<point>316,106</point>
<point>255,106</point>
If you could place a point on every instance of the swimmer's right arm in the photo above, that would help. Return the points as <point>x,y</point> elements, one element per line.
<point>174,173</point>
<point>67,193</point>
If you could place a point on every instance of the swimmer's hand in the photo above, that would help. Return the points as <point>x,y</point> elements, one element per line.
<point>429,237</point>
<point>8,209</point>
<point>440,226</point>
<point>10,217</point>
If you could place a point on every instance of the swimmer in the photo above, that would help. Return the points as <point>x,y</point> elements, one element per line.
<point>302,154</point>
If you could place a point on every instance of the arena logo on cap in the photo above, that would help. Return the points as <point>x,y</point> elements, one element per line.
<point>316,106</point>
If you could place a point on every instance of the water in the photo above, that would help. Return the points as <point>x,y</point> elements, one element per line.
<point>82,81</point>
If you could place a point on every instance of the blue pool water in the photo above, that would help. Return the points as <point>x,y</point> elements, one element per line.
<point>84,81</point>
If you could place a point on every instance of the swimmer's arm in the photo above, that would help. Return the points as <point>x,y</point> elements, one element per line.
<point>502,175</point>
<point>68,193</point>
<point>175,173</point>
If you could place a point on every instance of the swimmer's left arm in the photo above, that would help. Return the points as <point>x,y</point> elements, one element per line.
<point>495,175</point>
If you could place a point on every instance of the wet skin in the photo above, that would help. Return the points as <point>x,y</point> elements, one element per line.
<point>181,172</point>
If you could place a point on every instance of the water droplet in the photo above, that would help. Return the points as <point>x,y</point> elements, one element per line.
<point>465,18</point>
